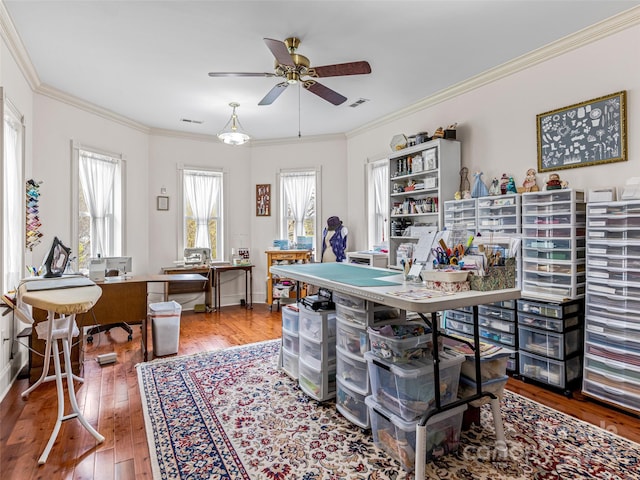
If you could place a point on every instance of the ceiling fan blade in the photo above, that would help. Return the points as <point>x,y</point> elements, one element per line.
<point>341,69</point>
<point>240,74</point>
<point>326,93</point>
<point>274,93</point>
<point>280,51</point>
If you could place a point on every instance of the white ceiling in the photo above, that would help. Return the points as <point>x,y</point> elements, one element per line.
<point>148,60</point>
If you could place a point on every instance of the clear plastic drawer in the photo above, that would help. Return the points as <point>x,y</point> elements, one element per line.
<point>353,372</point>
<point>459,326</point>
<point>554,310</point>
<point>554,345</point>
<point>615,235</point>
<point>459,316</point>
<point>497,312</point>
<point>555,244</point>
<point>547,370</point>
<point>552,232</point>
<point>546,323</point>
<point>555,254</point>
<point>553,196</point>
<point>497,336</point>
<point>612,250</point>
<point>316,325</point>
<point>497,324</point>
<point>611,394</point>
<point>317,354</point>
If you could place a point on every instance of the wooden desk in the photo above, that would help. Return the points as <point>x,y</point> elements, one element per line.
<point>248,282</point>
<point>188,286</point>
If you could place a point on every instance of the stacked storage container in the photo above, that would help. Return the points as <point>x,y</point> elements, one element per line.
<point>551,342</point>
<point>612,319</point>
<point>493,375</point>
<point>354,316</point>
<point>401,372</point>
<point>290,340</point>
<point>499,214</point>
<point>317,352</point>
<point>497,325</point>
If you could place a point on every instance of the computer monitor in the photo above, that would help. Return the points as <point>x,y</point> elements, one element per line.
<point>121,264</point>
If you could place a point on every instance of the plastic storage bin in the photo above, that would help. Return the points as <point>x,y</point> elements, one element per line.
<point>491,366</point>
<point>553,372</point>
<point>313,353</point>
<point>290,364</point>
<point>401,343</point>
<point>467,388</point>
<point>290,315</point>
<point>548,344</point>
<point>290,342</point>
<point>320,385</point>
<point>165,327</point>
<point>311,323</point>
<point>408,390</point>
<point>352,371</point>
<point>397,437</point>
<point>351,405</point>
<point>352,338</point>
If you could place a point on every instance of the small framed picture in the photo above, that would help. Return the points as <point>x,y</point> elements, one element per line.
<point>163,203</point>
<point>263,200</point>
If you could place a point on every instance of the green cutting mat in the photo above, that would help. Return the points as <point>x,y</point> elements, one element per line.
<point>345,273</point>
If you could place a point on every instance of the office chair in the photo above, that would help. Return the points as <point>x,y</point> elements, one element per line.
<point>105,328</point>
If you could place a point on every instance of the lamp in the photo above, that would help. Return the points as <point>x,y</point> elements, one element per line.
<point>233,133</point>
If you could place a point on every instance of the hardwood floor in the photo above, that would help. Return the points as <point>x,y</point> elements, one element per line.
<point>110,400</point>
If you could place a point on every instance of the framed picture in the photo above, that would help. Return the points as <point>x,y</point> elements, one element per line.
<point>587,133</point>
<point>163,203</point>
<point>263,200</point>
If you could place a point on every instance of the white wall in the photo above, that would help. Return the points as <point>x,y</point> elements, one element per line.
<point>56,124</point>
<point>498,121</point>
<point>328,154</point>
<point>18,91</point>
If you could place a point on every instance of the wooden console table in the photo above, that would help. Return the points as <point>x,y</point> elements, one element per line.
<point>283,257</point>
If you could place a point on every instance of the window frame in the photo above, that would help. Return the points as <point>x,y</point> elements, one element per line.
<point>120,198</point>
<point>8,108</point>
<point>282,228</point>
<point>371,202</point>
<point>222,239</point>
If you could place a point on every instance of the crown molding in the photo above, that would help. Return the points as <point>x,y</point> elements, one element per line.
<point>14,43</point>
<point>74,101</point>
<point>595,32</point>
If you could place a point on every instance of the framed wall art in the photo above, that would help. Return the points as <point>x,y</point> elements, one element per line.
<point>263,200</point>
<point>162,203</point>
<point>587,133</point>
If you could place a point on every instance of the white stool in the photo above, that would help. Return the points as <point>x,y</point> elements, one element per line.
<point>62,306</point>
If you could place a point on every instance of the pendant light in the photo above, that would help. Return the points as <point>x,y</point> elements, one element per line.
<point>233,133</point>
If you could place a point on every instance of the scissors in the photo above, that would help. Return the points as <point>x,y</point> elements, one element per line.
<point>441,257</point>
<point>458,251</point>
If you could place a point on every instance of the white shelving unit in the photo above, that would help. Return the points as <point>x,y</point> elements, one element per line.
<point>612,311</point>
<point>499,214</point>
<point>553,237</point>
<point>461,215</point>
<point>421,179</point>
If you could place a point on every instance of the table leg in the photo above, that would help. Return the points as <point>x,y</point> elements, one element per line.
<point>501,444</point>
<point>250,287</point>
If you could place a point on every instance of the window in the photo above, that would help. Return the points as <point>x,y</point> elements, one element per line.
<point>203,207</point>
<point>378,202</point>
<point>13,192</point>
<point>98,205</point>
<point>298,207</point>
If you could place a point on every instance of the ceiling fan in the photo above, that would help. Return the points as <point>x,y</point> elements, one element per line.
<point>293,67</point>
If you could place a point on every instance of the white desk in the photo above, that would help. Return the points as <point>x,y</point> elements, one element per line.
<point>382,286</point>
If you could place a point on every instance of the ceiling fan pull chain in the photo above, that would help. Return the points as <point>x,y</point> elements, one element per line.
<point>299,111</point>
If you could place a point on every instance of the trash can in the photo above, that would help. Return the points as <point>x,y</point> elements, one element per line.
<point>165,327</point>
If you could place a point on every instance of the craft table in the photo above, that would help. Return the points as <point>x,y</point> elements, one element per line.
<point>248,282</point>
<point>387,287</point>
<point>62,302</point>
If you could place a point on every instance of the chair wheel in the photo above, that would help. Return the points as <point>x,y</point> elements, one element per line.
<point>90,339</point>
<point>130,337</point>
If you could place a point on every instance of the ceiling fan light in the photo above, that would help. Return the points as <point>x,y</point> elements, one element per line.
<point>233,133</point>
<point>292,78</point>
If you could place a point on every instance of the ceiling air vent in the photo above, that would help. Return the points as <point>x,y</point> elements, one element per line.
<point>359,102</point>
<point>188,120</point>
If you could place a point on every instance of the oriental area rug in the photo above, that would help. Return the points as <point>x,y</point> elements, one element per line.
<point>233,415</point>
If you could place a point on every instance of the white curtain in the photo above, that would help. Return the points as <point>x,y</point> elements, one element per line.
<point>202,191</point>
<point>298,189</point>
<point>380,173</point>
<point>13,214</point>
<point>97,177</point>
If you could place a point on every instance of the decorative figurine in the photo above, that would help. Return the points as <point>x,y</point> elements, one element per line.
<point>511,186</point>
<point>494,188</point>
<point>479,188</point>
<point>503,183</point>
<point>439,133</point>
<point>465,186</point>
<point>554,183</point>
<point>529,183</point>
<point>457,196</point>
